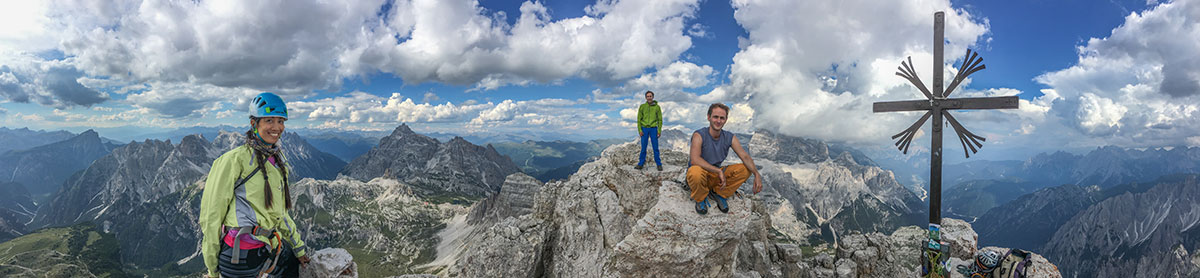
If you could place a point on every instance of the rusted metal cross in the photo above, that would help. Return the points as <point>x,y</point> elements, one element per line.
<point>937,107</point>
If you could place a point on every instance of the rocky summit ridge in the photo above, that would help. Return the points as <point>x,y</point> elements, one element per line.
<point>610,220</point>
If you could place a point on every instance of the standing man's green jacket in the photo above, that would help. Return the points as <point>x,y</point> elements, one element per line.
<point>245,206</point>
<point>650,115</point>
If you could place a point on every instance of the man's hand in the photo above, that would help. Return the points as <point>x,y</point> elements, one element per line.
<point>659,134</point>
<point>640,133</point>
<point>304,261</point>
<point>757,184</point>
<point>721,173</point>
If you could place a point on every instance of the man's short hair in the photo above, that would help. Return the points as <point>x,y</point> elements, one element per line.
<point>717,105</point>
<point>648,92</point>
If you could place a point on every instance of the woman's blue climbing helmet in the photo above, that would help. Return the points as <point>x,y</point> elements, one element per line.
<point>268,105</point>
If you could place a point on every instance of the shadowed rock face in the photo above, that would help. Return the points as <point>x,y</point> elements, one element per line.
<point>516,198</point>
<point>1146,234</point>
<point>16,209</point>
<point>610,220</point>
<point>456,166</point>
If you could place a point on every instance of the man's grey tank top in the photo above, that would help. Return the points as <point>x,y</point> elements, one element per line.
<point>714,150</point>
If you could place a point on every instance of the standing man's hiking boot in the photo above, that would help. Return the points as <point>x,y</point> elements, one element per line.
<point>639,167</point>
<point>721,204</point>
<point>660,168</point>
<point>702,207</point>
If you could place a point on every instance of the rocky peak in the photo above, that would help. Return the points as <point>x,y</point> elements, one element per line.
<point>227,140</point>
<point>194,146</point>
<point>403,130</point>
<point>91,134</point>
<point>457,166</point>
<point>610,220</point>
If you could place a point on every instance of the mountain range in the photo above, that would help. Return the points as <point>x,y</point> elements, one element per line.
<point>401,207</point>
<point>43,169</point>
<point>147,194</point>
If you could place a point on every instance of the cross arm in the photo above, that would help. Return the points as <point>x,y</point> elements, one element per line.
<point>1009,102</point>
<point>904,105</point>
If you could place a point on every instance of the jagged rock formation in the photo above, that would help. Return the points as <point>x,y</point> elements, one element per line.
<point>381,221</point>
<point>456,166</point>
<point>43,169</point>
<point>610,220</point>
<point>1145,234</point>
<point>516,198</point>
<point>895,255</point>
<point>812,188</point>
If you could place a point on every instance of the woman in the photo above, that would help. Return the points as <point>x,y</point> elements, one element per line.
<point>243,212</point>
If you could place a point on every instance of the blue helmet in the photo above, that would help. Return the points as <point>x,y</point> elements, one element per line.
<point>268,105</point>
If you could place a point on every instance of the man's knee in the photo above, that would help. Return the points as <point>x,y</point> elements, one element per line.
<point>737,170</point>
<point>695,174</point>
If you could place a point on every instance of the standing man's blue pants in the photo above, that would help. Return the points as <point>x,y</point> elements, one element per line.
<point>652,134</point>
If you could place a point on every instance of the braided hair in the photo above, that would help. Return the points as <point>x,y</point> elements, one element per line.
<point>261,151</point>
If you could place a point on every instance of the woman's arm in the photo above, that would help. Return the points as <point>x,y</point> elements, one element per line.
<point>214,205</point>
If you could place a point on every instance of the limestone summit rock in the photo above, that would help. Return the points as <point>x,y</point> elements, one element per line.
<point>610,220</point>
<point>330,263</point>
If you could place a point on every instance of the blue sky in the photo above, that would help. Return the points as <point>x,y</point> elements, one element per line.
<point>576,69</point>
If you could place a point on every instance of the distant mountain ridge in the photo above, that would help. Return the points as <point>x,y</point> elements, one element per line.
<point>547,160</point>
<point>24,138</point>
<point>43,169</point>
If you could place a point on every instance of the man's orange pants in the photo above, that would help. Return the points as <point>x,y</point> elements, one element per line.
<point>701,181</point>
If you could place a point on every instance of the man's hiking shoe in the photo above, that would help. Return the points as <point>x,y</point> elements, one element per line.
<point>702,207</point>
<point>721,204</point>
<point>639,167</point>
<point>660,168</point>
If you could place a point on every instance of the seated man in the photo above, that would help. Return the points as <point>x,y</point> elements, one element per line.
<point>709,147</point>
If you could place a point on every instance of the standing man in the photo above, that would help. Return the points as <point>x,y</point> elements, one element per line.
<point>649,127</point>
<point>709,147</point>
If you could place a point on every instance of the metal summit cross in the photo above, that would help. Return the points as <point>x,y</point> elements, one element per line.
<point>937,107</point>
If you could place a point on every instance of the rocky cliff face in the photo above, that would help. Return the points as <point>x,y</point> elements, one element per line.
<point>1144,234</point>
<point>811,188</point>
<point>610,220</point>
<point>456,167</point>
